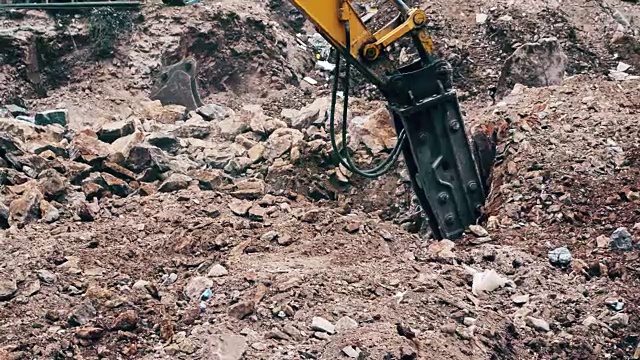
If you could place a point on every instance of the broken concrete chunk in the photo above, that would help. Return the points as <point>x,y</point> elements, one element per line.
<point>8,289</point>
<point>538,324</point>
<point>214,112</point>
<point>217,270</point>
<point>142,157</point>
<point>281,141</point>
<point>51,117</point>
<point>241,309</point>
<point>322,324</point>
<point>240,207</point>
<point>51,183</point>
<point>227,347</point>
<point>175,182</point>
<point>345,323</point>
<point>26,208</point>
<point>112,131</point>
<point>210,179</point>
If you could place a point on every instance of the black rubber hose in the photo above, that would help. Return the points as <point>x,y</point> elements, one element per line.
<point>381,168</point>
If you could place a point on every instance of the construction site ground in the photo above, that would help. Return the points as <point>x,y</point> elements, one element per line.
<point>143,231</point>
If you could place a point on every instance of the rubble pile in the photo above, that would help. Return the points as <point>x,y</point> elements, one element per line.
<point>133,229</point>
<point>50,171</point>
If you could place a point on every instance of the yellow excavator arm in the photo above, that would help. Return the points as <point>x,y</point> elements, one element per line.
<point>344,29</point>
<point>449,183</point>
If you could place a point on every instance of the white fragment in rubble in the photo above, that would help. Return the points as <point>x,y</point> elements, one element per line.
<point>486,281</point>
<point>351,352</point>
<point>621,76</point>
<point>481,18</point>
<point>310,80</point>
<point>325,65</point>
<point>622,67</point>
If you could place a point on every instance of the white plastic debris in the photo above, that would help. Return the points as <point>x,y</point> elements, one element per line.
<point>310,80</point>
<point>622,67</point>
<point>621,76</point>
<point>481,18</point>
<point>486,281</point>
<point>325,65</point>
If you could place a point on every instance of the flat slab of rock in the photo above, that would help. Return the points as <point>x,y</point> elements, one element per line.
<point>322,324</point>
<point>227,347</point>
<point>8,289</point>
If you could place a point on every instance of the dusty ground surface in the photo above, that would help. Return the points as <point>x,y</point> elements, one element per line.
<point>146,231</point>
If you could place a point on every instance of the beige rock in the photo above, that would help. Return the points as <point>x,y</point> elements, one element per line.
<point>375,131</point>
<point>255,153</point>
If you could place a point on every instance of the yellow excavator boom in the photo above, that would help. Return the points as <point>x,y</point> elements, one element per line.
<point>449,183</point>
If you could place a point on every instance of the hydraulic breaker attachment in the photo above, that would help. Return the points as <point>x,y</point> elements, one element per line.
<point>443,171</point>
<point>177,85</point>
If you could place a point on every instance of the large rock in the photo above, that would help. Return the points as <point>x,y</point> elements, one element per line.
<point>210,179</point>
<point>535,65</point>
<point>315,112</point>
<point>86,147</point>
<point>110,132</point>
<point>280,142</point>
<point>193,129</point>
<point>51,117</point>
<point>116,186</point>
<point>238,165</point>
<point>8,289</point>
<point>233,126</point>
<point>143,156</point>
<point>175,182</point>
<point>218,156</point>
<point>169,114</point>
<point>51,183</point>
<point>249,189</point>
<point>375,131</point>
<point>10,145</point>
<point>227,347</point>
<point>213,112</point>
<point>166,142</point>
<point>26,208</point>
<point>124,144</point>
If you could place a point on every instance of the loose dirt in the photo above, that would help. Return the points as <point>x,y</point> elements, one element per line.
<point>237,236</point>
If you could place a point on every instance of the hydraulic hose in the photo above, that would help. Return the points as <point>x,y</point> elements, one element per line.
<point>347,161</point>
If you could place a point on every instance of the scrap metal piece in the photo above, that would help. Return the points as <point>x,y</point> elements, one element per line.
<point>443,171</point>
<point>177,85</point>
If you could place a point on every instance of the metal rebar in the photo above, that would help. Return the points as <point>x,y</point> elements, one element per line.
<point>73,5</point>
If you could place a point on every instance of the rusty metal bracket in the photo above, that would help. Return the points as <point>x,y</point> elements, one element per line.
<point>177,85</point>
